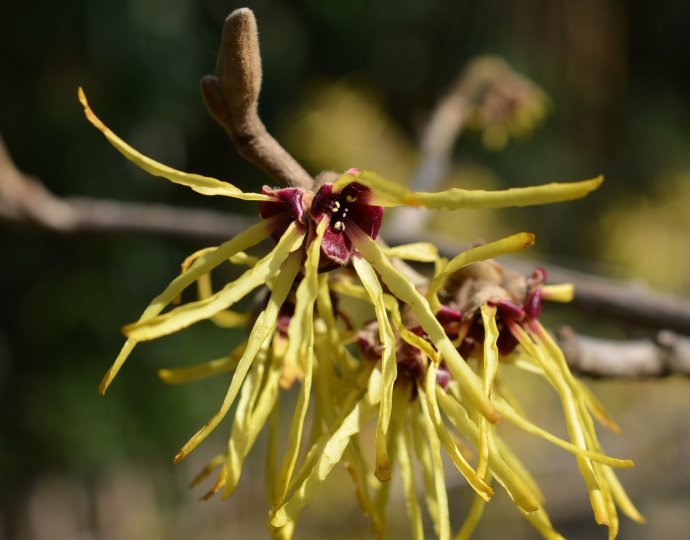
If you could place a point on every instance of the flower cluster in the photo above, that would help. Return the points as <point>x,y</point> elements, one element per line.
<point>343,318</point>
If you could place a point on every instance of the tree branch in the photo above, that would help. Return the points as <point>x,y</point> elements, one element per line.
<point>668,354</point>
<point>24,200</point>
<point>488,94</point>
<point>232,97</point>
<point>601,297</point>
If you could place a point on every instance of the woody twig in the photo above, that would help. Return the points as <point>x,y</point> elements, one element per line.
<point>232,97</point>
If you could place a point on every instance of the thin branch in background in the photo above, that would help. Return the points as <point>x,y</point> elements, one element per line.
<point>602,297</point>
<point>488,95</point>
<point>668,354</point>
<point>232,98</point>
<point>23,199</point>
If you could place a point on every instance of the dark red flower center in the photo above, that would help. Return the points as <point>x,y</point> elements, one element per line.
<point>352,207</point>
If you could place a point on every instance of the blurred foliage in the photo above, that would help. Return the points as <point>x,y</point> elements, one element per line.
<point>346,84</point>
<point>647,236</point>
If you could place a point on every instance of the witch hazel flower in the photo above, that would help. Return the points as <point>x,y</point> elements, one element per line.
<point>351,206</point>
<point>300,336</point>
<point>475,304</point>
<point>500,325</point>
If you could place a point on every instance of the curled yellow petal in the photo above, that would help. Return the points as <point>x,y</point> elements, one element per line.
<point>206,262</point>
<point>388,364</point>
<point>244,259</point>
<point>441,496</point>
<point>509,414</point>
<point>621,497</point>
<point>301,336</point>
<point>430,461</point>
<point>455,198</point>
<point>593,404</point>
<point>365,380</point>
<point>332,452</point>
<point>386,193</point>
<point>224,318</point>
<point>510,244</point>
<point>518,489</point>
<point>418,251</point>
<point>249,421</point>
<point>597,408</point>
<point>391,303</point>
<point>241,439</point>
<point>489,369</point>
<point>473,517</point>
<point>201,184</point>
<point>405,290</point>
<point>263,328</point>
<point>402,446</point>
<point>434,415</point>
<point>188,314</point>
<point>335,335</point>
<point>540,521</point>
<point>202,371</point>
<point>574,423</point>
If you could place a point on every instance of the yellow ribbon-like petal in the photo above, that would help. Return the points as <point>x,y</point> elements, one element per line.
<point>518,489</point>
<point>206,262</point>
<point>202,184</point>
<point>418,251</point>
<point>440,495</point>
<point>573,419</point>
<point>202,371</point>
<point>509,414</point>
<point>301,345</point>
<point>332,453</point>
<point>456,199</point>
<point>188,314</point>
<point>388,364</point>
<point>347,404</point>
<point>243,431</point>
<point>403,288</point>
<point>249,426</point>
<point>474,515</point>
<point>510,244</point>
<point>489,369</point>
<point>540,521</point>
<point>402,446</point>
<point>263,328</point>
<point>387,193</point>
<point>434,414</point>
<point>334,334</point>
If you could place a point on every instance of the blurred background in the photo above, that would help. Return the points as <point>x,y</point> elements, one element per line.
<point>345,84</point>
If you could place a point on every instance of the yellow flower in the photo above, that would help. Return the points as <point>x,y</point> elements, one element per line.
<point>302,335</point>
<point>478,309</point>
